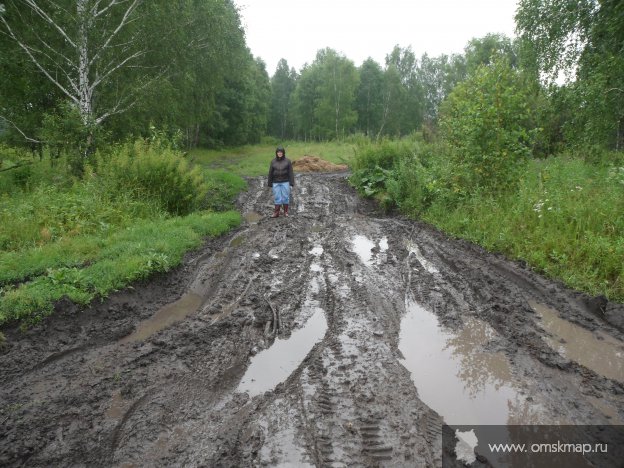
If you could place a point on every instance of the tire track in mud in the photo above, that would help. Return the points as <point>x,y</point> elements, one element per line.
<point>174,396</point>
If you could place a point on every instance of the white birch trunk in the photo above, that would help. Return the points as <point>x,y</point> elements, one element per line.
<point>84,85</point>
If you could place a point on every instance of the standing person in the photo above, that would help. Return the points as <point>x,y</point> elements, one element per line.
<point>281,178</point>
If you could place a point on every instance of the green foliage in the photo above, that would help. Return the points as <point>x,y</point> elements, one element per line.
<point>112,262</point>
<point>564,216</point>
<point>64,132</point>
<point>487,124</point>
<point>150,171</point>
<point>283,84</point>
<point>564,220</point>
<point>582,38</point>
<point>52,212</point>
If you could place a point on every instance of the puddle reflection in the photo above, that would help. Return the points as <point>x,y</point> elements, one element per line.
<point>273,365</point>
<point>427,265</point>
<point>455,377</point>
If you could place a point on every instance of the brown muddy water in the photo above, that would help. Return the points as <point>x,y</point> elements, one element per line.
<point>595,350</point>
<point>340,336</point>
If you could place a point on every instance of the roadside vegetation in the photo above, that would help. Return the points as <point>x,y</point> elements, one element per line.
<point>563,217</point>
<point>133,213</point>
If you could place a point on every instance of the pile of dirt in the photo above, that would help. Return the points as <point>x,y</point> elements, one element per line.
<point>315,164</point>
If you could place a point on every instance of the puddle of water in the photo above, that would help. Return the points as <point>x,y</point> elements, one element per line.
<point>252,217</point>
<point>317,251</point>
<point>362,246</point>
<point>427,265</point>
<point>597,351</point>
<point>605,408</point>
<point>456,377</point>
<point>383,244</point>
<point>316,267</point>
<point>165,317</point>
<point>116,408</point>
<point>237,241</point>
<point>273,365</point>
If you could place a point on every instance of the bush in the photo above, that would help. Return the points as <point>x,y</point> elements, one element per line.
<point>486,121</point>
<point>154,172</point>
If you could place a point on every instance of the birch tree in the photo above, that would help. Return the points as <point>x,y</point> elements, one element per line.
<point>79,46</point>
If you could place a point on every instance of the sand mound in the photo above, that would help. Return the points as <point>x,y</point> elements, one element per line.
<point>315,164</point>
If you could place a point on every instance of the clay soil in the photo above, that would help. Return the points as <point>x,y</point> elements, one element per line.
<point>158,374</point>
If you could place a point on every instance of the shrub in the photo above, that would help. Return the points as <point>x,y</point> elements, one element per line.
<point>487,124</point>
<point>153,172</point>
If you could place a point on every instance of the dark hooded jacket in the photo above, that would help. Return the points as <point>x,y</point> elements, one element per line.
<point>281,170</point>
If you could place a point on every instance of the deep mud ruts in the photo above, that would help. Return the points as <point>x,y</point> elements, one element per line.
<point>376,324</point>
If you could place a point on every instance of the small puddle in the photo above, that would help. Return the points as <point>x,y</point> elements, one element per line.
<point>595,350</point>
<point>237,241</point>
<point>366,249</point>
<point>456,377</point>
<point>252,217</point>
<point>273,365</point>
<point>165,317</point>
<point>426,264</point>
<point>116,408</point>
<point>362,246</point>
<point>317,251</point>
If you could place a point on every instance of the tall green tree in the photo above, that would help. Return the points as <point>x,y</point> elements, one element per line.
<point>486,50</point>
<point>408,115</point>
<point>583,38</point>
<point>369,101</point>
<point>335,108</point>
<point>283,84</point>
<point>303,103</point>
<point>437,77</point>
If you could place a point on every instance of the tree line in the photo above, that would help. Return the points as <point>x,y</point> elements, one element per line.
<point>75,71</point>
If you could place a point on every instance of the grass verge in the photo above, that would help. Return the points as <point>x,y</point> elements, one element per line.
<point>90,266</point>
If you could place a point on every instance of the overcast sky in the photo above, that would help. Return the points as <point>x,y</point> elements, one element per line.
<point>296,29</point>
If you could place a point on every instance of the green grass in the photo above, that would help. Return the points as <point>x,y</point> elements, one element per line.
<point>254,160</point>
<point>90,266</point>
<point>566,220</point>
<point>83,238</point>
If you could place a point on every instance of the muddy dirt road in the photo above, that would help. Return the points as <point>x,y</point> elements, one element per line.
<point>335,337</point>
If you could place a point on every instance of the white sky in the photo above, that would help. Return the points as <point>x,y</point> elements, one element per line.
<point>296,29</point>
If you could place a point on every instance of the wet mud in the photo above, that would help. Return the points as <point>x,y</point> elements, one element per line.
<point>339,336</point>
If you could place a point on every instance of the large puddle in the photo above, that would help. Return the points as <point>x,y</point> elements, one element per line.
<point>166,316</point>
<point>273,365</point>
<point>456,377</point>
<point>595,350</point>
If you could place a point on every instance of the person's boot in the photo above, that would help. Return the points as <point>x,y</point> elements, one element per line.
<point>285,210</point>
<point>276,211</point>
